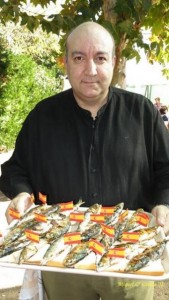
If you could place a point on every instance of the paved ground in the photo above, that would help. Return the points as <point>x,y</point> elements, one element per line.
<point>162,290</point>
<point>10,294</point>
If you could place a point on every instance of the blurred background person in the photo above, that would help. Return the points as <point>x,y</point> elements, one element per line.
<point>163,111</point>
<point>158,103</point>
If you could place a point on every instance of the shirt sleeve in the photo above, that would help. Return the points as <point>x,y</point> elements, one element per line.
<point>161,162</point>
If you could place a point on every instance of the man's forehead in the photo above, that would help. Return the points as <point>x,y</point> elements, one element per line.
<point>93,39</point>
<point>89,45</point>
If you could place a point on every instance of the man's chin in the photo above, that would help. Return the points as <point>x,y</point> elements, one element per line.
<point>91,93</point>
<point>92,96</point>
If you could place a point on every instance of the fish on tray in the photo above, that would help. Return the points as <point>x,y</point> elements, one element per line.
<point>149,254</point>
<point>76,254</point>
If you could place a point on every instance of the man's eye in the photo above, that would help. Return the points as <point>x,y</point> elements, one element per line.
<point>100,59</point>
<point>78,59</point>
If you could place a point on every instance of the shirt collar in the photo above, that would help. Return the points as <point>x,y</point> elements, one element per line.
<point>100,111</point>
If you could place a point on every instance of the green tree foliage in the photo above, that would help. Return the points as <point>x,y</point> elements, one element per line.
<point>26,84</point>
<point>126,19</point>
<point>28,73</point>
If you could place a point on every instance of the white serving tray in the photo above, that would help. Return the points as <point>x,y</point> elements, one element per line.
<point>87,272</point>
<point>8,262</point>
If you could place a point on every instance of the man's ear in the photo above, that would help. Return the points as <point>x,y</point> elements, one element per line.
<point>114,61</point>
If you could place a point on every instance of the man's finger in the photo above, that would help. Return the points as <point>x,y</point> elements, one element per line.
<point>161,214</point>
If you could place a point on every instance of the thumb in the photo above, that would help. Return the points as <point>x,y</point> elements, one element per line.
<point>159,212</point>
<point>20,203</point>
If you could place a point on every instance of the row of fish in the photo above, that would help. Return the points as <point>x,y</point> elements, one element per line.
<point>103,238</point>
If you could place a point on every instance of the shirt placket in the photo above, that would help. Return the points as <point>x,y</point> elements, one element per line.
<point>93,167</point>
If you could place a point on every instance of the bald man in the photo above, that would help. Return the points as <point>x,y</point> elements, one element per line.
<point>93,142</point>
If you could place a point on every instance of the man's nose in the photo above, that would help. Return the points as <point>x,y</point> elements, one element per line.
<point>91,68</point>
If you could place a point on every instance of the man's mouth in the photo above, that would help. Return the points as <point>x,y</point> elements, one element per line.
<point>89,82</point>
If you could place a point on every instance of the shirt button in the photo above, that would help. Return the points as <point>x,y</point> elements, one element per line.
<point>95,195</point>
<point>93,170</point>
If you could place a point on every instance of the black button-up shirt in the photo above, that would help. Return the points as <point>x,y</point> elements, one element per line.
<point>121,156</point>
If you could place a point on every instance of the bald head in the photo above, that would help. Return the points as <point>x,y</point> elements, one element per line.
<point>88,30</point>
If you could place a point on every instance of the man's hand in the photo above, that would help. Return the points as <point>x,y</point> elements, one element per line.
<point>20,203</point>
<point>161,213</point>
